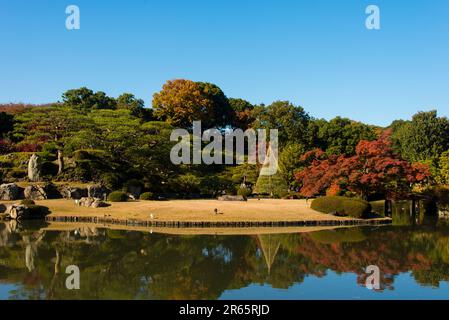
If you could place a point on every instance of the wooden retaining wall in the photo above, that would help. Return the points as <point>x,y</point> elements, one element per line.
<point>219,224</point>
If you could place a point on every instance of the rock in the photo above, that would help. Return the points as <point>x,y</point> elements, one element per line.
<point>99,204</point>
<point>232,198</point>
<point>47,191</point>
<point>34,170</point>
<point>135,191</point>
<point>131,197</point>
<point>2,208</point>
<point>10,191</point>
<point>73,192</point>
<point>24,212</point>
<point>35,193</point>
<point>90,202</point>
<point>18,212</point>
<point>97,191</point>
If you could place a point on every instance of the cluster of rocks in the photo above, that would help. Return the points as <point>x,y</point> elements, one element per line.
<point>11,191</point>
<point>91,202</point>
<point>19,211</point>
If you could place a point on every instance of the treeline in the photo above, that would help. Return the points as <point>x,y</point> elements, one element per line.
<point>118,141</point>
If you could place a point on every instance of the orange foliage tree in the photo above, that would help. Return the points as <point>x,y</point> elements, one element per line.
<point>180,102</point>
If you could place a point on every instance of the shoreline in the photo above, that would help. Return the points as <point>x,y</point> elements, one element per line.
<point>264,213</point>
<point>71,226</point>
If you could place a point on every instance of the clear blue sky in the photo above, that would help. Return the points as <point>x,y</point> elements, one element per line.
<point>317,54</point>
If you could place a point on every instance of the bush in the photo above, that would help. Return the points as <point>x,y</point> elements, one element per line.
<point>27,202</point>
<point>246,192</point>
<point>17,173</point>
<point>356,208</point>
<point>147,196</point>
<point>292,195</point>
<point>117,196</point>
<point>110,180</point>
<point>38,212</point>
<point>378,207</point>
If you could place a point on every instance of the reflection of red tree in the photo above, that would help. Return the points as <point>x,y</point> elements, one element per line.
<point>354,257</point>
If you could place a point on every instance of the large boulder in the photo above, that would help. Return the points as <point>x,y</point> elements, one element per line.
<point>34,170</point>
<point>90,202</point>
<point>26,212</point>
<point>232,198</point>
<point>10,191</point>
<point>35,193</point>
<point>97,191</point>
<point>73,193</point>
<point>17,211</point>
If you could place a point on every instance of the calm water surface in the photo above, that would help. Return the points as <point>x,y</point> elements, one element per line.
<point>413,259</point>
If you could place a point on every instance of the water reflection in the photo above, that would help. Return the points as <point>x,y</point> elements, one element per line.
<point>136,265</point>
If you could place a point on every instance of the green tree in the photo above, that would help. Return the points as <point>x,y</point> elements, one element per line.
<point>290,120</point>
<point>51,124</point>
<point>85,99</point>
<point>444,168</point>
<point>137,106</point>
<point>6,123</point>
<point>290,163</point>
<point>341,135</point>
<point>423,138</point>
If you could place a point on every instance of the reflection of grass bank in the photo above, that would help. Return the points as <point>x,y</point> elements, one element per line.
<point>115,230</point>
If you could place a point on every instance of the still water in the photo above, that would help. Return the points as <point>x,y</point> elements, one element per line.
<point>330,264</point>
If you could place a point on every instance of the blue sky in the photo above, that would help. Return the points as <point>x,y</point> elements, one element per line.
<point>317,54</point>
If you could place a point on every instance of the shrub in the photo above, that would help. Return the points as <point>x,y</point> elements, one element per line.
<point>378,207</point>
<point>17,173</point>
<point>110,180</point>
<point>147,196</point>
<point>117,196</point>
<point>347,206</point>
<point>292,195</point>
<point>246,192</point>
<point>38,212</point>
<point>49,169</point>
<point>27,202</point>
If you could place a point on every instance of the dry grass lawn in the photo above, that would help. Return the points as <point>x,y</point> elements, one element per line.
<point>195,210</point>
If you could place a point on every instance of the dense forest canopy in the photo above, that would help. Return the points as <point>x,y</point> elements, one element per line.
<point>117,140</point>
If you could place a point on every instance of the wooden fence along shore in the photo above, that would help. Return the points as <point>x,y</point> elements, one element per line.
<point>219,224</point>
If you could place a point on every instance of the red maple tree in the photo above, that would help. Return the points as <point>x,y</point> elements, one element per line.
<point>374,169</point>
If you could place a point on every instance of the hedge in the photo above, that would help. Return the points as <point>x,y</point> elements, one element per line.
<point>147,196</point>
<point>117,196</point>
<point>246,192</point>
<point>356,208</point>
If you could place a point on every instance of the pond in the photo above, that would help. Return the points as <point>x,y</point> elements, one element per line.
<point>413,260</point>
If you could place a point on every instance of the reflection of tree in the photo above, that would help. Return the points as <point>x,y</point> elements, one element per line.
<point>134,265</point>
<point>270,245</point>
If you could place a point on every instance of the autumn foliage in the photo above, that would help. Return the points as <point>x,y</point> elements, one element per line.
<point>374,169</point>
